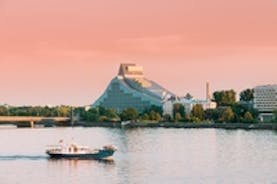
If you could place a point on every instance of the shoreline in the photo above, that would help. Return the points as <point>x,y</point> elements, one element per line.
<point>199,125</point>
<point>229,126</point>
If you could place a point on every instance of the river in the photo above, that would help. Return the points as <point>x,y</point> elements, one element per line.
<point>145,155</point>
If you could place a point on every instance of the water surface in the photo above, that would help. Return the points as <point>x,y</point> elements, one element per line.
<point>144,155</point>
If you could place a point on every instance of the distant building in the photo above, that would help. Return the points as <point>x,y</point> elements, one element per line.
<point>5,105</point>
<point>265,101</point>
<point>188,103</point>
<point>206,104</point>
<point>131,89</point>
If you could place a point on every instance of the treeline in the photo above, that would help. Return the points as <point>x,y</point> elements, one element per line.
<point>101,114</point>
<point>228,110</point>
<point>58,111</point>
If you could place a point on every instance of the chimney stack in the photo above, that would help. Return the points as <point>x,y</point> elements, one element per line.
<point>208,95</point>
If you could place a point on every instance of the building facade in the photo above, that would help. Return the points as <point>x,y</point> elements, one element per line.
<point>131,89</point>
<point>265,101</point>
<point>188,103</point>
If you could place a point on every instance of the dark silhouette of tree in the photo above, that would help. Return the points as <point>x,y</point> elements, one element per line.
<point>247,95</point>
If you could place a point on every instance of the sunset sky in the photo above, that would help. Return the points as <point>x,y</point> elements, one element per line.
<point>67,51</point>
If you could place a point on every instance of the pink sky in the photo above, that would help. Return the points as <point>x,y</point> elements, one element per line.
<point>66,52</point>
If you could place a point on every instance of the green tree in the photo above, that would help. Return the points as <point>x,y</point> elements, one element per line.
<point>225,97</point>
<point>64,111</point>
<point>188,117</point>
<point>111,115</point>
<point>152,115</point>
<point>102,118</point>
<point>178,108</point>
<point>129,114</point>
<point>158,117</point>
<point>167,118</point>
<point>177,117</point>
<point>247,95</point>
<point>157,109</point>
<point>145,116</point>
<point>92,115</point>
<point>81,112</point>
<point>3,111</point>
<point>240,110</point>
<point>248,118</point>
<point>212,114</point>
<point>198,112</point>
<point>228,115</point>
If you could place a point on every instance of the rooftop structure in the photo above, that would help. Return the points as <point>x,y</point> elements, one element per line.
<point>131,89</point>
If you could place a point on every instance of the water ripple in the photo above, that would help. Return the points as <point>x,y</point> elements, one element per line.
<point>23,157</point>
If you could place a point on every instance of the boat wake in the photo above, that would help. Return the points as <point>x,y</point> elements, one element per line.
<point>23,157</point>
<point>42,157</point>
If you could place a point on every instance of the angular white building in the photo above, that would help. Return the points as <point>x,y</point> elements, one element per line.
<point>265,101</point>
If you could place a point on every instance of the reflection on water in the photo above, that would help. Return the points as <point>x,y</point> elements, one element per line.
<point>75,163</point>
<point>143,156</point>
<point>75,160</point>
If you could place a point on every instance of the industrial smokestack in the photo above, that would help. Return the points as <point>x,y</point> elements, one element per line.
<point>208,95</point>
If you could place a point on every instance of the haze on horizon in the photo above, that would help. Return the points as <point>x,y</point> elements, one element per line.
<point>66,52</point>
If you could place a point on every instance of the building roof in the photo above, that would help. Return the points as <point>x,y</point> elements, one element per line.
<point>130,70</point>
<point>266,86</point>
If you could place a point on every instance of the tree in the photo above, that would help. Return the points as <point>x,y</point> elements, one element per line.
<point>225,97</point>
<point>111,115</point>
<point>64,111</point>
<point>248,118</point>
<point>179,108</point>
<point>177,117</point>
<point>154,116</point>
<point>157,109</point>
<point>188,117</point>
<point>145,116</point>
<point>227,115</point>
<point>158,117</point>
<point>3,111</point>
<point>81,112</point>
<point>92,115</point>
<point>247,95</point>
<point>212,114</point>
<point>102,118</point>
<point>198,112</point>
<point>129,114</point>
<point>167,117</point>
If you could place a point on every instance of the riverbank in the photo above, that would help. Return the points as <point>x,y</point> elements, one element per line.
<point>245,126</point>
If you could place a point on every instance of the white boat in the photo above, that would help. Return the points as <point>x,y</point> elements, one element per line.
<point>75,151</point>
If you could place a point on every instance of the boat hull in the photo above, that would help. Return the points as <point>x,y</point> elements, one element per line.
<point>101,155</point>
